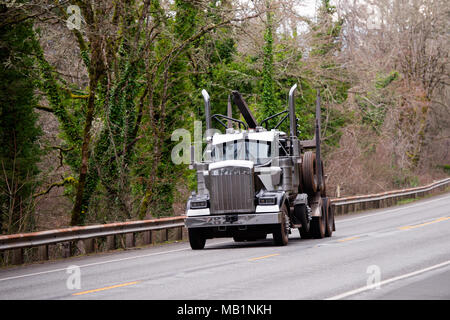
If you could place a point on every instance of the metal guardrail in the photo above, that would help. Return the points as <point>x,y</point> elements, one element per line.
<point>42,239</point>
<point>17,242</point>
<point>384,199</point>
<point>33,239</point>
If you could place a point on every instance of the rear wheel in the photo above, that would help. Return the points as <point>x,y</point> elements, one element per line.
<point>330,218</point>
<point>196,239</point>
<point>318,224</point>
<point>281,234</point>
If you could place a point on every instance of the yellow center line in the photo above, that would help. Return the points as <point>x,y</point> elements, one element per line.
<point>263,257</point>
<point>105,288</point>
<point>424,224</point>
<point>348,239</point>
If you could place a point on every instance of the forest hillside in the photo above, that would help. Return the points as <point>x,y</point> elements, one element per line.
<point>91,92</point>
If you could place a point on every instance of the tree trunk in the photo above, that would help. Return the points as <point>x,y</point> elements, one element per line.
<point>77,211</point>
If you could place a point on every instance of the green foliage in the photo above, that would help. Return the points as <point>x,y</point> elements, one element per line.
<point>268,94</point>
<point>404,178</point>
<point>374,104</point>
<point>19,131</point>
<point>445,167</point>
<point>326,32</point>
<point>383,81</point>
<point>372,114</point>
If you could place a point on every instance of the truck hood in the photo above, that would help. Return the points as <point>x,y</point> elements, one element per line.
<point>231,163</point>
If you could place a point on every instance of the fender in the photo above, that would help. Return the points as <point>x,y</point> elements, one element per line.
<point>280,196</point>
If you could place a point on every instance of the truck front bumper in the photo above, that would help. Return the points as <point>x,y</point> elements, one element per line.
<point>233,220</point>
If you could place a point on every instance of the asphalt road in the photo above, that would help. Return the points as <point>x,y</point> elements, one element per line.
<point>400,252</point>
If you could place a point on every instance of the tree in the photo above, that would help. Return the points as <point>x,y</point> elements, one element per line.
<point>19,131</point>
<point>268,94</point>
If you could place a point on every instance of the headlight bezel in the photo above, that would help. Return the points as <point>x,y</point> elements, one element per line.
<point>267,201</point>
<point>199,204</point>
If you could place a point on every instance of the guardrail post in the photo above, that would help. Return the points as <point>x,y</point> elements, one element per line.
<point>129,240</point>
<point>17,256</point>
<point>66,249</point>
<point>184,233</point>
<point>154,236</point>
<point>147,237</point>
<point>172,234</point>
<point>159,236</point>
<point>89,245</point>
<point>110,242</point>
<point>43,252</point>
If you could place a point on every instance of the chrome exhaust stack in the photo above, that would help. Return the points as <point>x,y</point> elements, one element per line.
<point>207,110</point>
<point>292,116</point>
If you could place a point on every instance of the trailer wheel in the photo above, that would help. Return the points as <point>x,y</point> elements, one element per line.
<point>196,239</point>
<point>309,172</point>
<point>330,218</point>
<point>318,224</point>
<point>281,234</point>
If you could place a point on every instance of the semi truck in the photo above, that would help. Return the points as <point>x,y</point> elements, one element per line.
<point>254,180</point>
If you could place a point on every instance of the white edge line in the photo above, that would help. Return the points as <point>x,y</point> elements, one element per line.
<point>370,287</point>
<point>99,263</point>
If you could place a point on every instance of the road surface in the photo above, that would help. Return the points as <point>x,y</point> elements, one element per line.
<point>401,252</point>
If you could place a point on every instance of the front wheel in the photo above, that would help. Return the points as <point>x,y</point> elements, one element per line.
<point>281,234</point>
<point>302,214</point>
<point>196,239</point>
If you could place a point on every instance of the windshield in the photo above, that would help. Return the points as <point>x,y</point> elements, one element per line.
<point>252,150</point>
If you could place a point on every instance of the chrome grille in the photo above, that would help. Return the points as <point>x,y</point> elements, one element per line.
<point>232,190</point>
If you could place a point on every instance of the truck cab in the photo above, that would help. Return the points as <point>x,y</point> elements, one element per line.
<point>248,186</point>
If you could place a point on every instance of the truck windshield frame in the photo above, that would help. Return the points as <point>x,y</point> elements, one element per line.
<point>257,151</point>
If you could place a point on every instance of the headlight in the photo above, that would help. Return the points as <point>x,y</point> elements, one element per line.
<point>267,201</point>
<point>199,204</point>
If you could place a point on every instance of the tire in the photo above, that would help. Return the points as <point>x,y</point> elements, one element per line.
<point>304,230</point>
<point>196,239</point>
<point>318,224</point>
<point>329,218</point>
<point>323,187</point>
<point>281,234</point>
<point>309,172</point>
<point>334,221</point>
